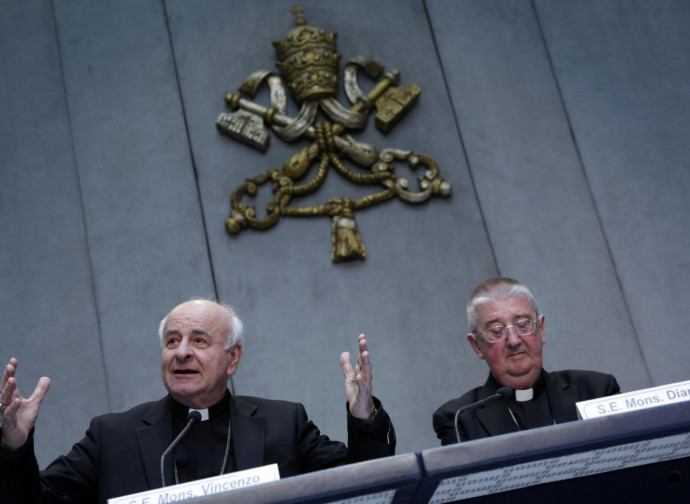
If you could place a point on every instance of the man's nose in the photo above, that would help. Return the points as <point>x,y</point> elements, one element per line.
<point>183,350</point>
<point>512,337</point>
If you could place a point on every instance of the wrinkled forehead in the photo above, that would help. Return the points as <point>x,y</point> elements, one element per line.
<point>196,315</point>
<point>503,310</point>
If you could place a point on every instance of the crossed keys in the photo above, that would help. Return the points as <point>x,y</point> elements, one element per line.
<point>307,57</point>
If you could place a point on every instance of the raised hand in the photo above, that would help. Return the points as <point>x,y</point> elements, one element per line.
<point>19,414</point>
<point>358,382</point>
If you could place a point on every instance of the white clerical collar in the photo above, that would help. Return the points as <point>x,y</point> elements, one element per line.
<point>204,413</point>
<point>524,395</point>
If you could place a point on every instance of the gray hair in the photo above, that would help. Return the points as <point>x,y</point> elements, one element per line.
<point>496,289</point>
<point>235,333</point>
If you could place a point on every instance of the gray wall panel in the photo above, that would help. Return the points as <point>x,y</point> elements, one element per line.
<point>143,218</point>
<point>46,298</point>
<point>556,123</point>
<point>623,68</point>
<point>531,186</point>
<point>301,310</point>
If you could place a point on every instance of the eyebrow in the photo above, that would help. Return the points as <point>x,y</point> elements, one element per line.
<point>196,330</point>
<point>516,317</point>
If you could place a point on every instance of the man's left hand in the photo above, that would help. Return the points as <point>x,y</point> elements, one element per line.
<point>358,382</point>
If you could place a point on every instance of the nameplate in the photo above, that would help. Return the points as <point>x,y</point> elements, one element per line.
<point>202,487</point>
<point>631,401</point>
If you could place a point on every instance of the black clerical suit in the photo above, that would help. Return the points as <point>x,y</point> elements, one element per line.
<point>120,453</point>
<point>554,402</point>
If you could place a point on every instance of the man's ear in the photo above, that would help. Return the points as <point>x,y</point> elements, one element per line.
<point>234,355</point>
<point>541,329</point>
<point>472,339</point>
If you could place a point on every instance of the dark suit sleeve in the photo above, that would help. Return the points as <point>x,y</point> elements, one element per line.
<point>19,476</point>
<point>444,425</point>
<point>373,440</point>
<point>365,442</point>
<point>612,387</point>
<point>70,479</point>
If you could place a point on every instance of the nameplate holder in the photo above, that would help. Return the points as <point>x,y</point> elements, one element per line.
<point>632,401</point>
<point>203,487</point>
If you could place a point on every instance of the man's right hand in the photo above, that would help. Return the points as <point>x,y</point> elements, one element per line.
<point>20,413</point>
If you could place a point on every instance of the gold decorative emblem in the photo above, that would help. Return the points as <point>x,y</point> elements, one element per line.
<point>308,59</point>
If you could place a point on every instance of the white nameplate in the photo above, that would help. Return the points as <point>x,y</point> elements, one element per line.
<point>202,487</point>
<point>630,401</point>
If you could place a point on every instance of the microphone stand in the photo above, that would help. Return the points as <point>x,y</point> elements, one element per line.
<point>501,393</point>
<point>193,417</point>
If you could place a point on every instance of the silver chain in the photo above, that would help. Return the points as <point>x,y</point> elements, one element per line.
<point>515,419</point>
<point>225,458</point>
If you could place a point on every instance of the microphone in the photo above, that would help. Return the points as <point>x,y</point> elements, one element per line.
<point>506,393</point>
<point>192,417</point>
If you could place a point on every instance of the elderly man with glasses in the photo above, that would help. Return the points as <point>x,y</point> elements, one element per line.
<point>507,331</point>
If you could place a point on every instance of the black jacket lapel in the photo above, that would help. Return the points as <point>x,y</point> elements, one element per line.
<point>248,434</point>
<point>153,439</point>
<point>562,398</point>
<point>496,419</point>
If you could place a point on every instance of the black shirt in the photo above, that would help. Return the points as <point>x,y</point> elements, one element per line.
<point>201,453</point>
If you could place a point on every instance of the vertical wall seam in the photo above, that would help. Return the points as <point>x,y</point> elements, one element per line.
<point>192,159</point>
<point>581,162</point>
<point>94,292</point>
<point>460,137</point>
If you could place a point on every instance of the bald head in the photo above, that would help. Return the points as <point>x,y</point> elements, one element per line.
<point>221,316</point>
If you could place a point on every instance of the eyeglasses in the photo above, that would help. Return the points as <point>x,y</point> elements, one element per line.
<point>497,333</point>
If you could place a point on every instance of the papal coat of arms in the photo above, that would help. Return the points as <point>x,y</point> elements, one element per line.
<point>309,62</point>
